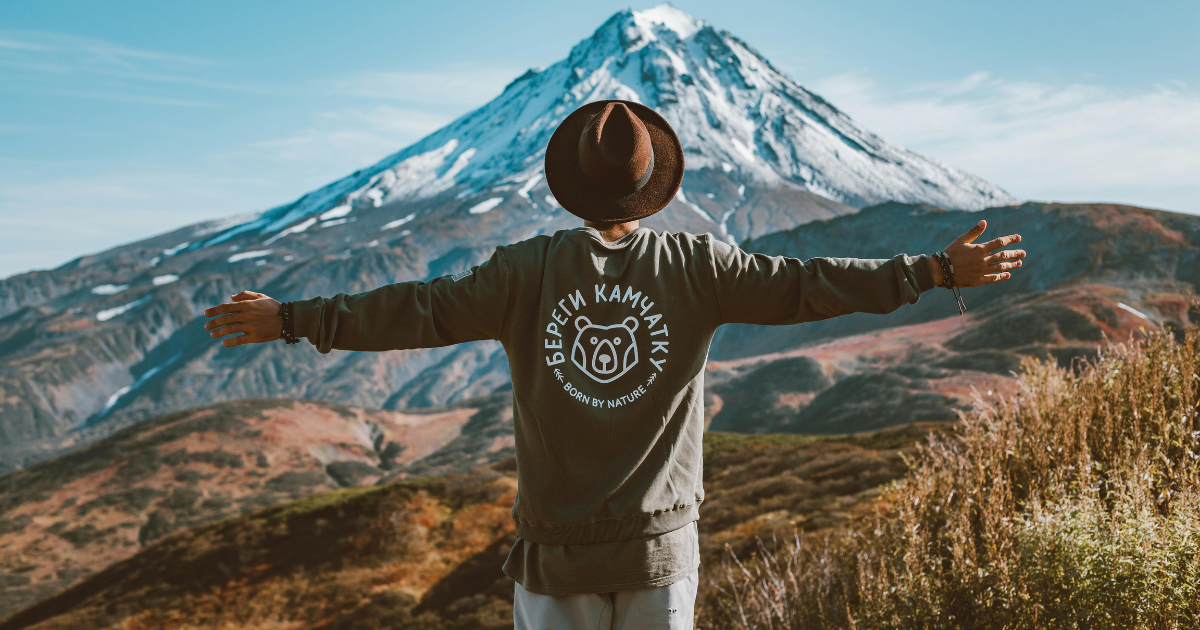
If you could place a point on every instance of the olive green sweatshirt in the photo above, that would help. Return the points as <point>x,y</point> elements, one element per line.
<point>607,344</point>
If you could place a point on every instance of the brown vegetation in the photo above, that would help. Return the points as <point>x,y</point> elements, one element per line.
<point>321,562</point>
<point>1073,504</point>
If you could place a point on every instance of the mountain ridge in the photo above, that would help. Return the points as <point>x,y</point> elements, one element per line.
<point>1147,258</point>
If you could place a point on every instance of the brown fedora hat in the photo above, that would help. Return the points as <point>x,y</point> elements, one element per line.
<point>614,161</point>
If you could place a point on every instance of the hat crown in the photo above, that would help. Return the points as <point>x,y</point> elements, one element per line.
<point>615,149</point>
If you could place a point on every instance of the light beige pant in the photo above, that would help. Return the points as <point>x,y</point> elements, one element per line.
<point>662,608</point>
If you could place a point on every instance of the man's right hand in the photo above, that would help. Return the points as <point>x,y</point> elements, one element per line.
<point>254,315</point>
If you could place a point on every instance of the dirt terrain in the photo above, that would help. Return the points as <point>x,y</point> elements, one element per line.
<point>67,518</point>
<point>426,553</point>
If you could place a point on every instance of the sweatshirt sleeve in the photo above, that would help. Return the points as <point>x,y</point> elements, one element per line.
<point>440,312</point>
<point>775,290</point>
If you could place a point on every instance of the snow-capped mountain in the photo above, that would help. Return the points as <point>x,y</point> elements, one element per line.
<point>733,111</point>
<point>114,337</point>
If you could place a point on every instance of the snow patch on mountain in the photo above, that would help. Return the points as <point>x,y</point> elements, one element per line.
<point>697,209</point>
<point>485,206</point>
<point>141,380</point>
<point>109,289</point>
<point>529,184</point>
<point>336,213</point>
<point>295,229</point>
<point>1125,307</point>
<point>258,253</point>
<point>110,313</point>
<point>667,16</point>
<point>398,222</point>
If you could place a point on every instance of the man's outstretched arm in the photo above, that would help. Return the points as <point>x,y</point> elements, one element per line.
<point>440,312</point>
<point>775,290</point>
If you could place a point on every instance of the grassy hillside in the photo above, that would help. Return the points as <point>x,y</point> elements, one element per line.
<point>1074,504</point>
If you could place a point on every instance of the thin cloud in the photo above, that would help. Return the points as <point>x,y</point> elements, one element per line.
<point>96,49</point>
<point>124,97</point>
<point>1075,142</point>
<point>197,82</point>
<point>124,186</point>
<point>34,65</point>
<point>355,136</point>
<point>17,45</point>
<point>45,63</point>
<point>467,86</point>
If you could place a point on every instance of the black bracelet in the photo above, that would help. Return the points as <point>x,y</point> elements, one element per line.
<point>948,282</point>
<point>288,334</point>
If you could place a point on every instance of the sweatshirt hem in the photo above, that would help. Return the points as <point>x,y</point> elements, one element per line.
<point>611,529</point>
<point>558,591</point>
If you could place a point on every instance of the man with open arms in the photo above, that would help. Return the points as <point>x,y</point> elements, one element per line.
<point>607,329</point>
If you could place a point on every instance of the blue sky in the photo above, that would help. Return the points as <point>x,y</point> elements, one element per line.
<point>122,119</point>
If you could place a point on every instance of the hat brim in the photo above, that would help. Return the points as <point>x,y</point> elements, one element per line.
<point>586,199</point>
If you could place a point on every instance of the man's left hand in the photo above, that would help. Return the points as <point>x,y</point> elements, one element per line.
<point>979,264</point>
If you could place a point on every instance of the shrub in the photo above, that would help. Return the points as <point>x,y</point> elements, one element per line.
<point>1074,504</point>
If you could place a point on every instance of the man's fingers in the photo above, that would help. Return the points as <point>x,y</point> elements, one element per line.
<point>228,330</point>
<point>224,320</point>
<point>221,309</point>
<point>1003,241</point>
<point>996,277</point>
<point>1007,254</point>
<point>247,295</point>
<point>972,233</point>
<point>1005,265</point>
<point>235,341</point>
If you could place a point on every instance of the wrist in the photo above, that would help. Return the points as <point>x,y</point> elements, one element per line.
<point>935,268</point>
<point>287,330</point>
<point>947,268</point>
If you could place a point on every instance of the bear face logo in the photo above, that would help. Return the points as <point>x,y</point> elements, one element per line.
<point>605,353</point>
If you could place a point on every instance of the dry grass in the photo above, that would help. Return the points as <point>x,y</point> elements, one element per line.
<point>1073,504</point>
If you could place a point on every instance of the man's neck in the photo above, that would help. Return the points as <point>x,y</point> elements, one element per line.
<point>612,231</point>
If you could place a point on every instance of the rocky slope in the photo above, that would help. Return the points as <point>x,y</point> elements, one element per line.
<point>64,519</point>
<point>116,335</point>
<point>427,553</point>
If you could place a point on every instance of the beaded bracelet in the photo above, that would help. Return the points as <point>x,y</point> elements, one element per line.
<point>288,334</point>
<point>948,280</point>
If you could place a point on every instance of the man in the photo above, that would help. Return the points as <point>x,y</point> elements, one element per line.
<point>607,329</point>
